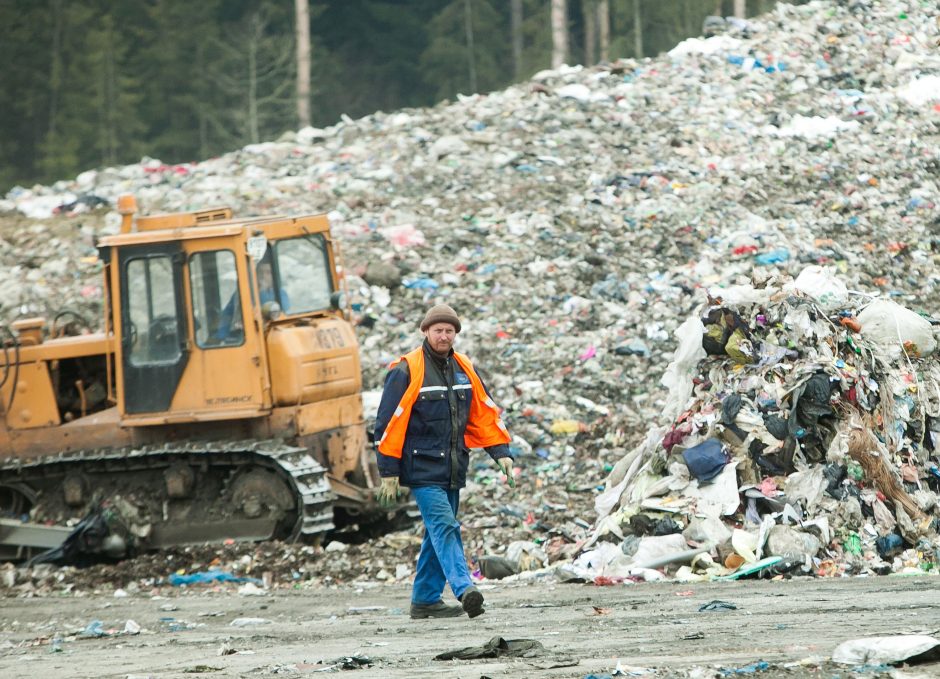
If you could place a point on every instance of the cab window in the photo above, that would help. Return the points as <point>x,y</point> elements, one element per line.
<point>152,312</point>
<point>303,272</point>
<point>217,309</point>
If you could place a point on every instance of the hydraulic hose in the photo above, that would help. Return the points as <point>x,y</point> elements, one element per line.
<point>6,356</point>
<point>14,340</point>
<point>64,313</point>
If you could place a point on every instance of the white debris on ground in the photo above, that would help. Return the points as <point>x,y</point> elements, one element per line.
<point>578,223</point>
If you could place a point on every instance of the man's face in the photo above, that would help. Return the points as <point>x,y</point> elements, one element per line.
<point>441,337</point>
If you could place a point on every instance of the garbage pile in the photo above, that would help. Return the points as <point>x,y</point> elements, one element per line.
<point>573,221</point>
<point>801,434</point>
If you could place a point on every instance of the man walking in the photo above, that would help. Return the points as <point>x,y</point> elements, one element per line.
<point>435,408</point>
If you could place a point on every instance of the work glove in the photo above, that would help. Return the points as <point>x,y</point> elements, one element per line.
<point>505,464</point>
<point>388,493</point>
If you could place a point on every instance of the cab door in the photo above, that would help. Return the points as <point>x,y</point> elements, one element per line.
<point>153,325</point>
<point>226,376</point>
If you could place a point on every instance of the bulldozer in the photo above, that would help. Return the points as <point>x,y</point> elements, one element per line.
<point>220,400</point>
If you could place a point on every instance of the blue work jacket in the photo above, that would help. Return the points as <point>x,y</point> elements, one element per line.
<point>434,452</point>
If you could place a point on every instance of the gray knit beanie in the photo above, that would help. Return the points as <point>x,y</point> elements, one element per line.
<point>440,314</point>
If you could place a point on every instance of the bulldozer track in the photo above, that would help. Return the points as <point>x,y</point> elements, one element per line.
<point>305,476</point>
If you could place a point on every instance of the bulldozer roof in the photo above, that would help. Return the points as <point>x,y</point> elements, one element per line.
<point>162,228</point>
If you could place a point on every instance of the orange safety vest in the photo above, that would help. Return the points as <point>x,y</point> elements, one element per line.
<point>484,426</point>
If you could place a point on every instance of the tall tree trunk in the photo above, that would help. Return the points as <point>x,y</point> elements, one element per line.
<point>692,17</point>
<point>516,27</point>
<point>718,11</point>
<point>253,135</point>
<point>590,31</point>
<point>559,32</point>
<point>603,28</point>
<point>740,9</point>
<point>471,57</point>
<point>55,68</point>
<point>201,115</point>
<point>302,15</point>
<point>637,30</point>
<point>110,93</point>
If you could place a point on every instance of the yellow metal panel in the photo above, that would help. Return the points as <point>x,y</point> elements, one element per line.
<point>272,227</point>
<point>313,362</point>
<point>147,237</point>
<point>68,347</point>
<point>221,379</point>
<point>34,404</point>
<point>112,274</point>
<point>298,225</point>
<point>183,219</point>
<point>183,417</point>
<point>349,456</point>
<point>100,430</point>
<point>331,414</point>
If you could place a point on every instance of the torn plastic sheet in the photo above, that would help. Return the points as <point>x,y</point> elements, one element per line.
<point>911,649</point>
<point>678,376</point>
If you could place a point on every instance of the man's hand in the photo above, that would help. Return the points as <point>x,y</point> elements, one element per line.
<point>505,464</point>
<point>388,493</point>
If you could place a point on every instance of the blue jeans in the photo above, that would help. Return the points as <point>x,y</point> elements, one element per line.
<point>441,559</point>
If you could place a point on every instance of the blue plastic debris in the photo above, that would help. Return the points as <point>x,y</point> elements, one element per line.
<point>753,668</point>
<point>777,256</point>
<point>706,460</point>
<point>208,576</point>
<point>94,629</point>
<point>420,284</point>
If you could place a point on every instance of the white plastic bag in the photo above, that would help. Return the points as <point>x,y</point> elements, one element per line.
<point>821,284</point>
<point>891,325</point>
<point>742,295</point>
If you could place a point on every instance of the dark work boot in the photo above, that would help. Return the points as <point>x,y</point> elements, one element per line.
<point>435,610</point>
<point>472,601</point>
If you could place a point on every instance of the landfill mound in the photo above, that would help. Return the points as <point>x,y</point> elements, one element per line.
<point>573,221</point>
<point>801,436</point>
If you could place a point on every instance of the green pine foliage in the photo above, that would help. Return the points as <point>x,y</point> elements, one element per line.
<point>468,51</point>
<point>96,83</point>
<point>537,36</point>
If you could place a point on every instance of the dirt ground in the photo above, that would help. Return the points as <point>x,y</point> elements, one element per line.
<point>649,629</point>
